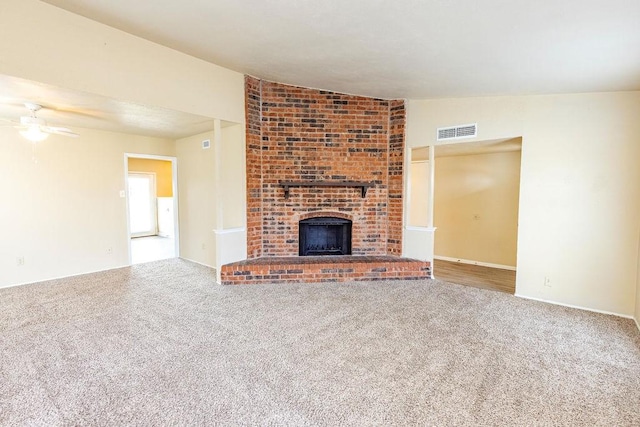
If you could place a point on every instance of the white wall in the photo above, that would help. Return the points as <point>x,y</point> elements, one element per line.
<point>197,199</point>
<point>579,214</point>
<point>61,207</point>
<point>46,44</point>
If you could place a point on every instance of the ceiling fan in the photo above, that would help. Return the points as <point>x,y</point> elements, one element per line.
<point>35,129</point>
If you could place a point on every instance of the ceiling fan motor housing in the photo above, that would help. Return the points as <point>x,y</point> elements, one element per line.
<point>31,121</point>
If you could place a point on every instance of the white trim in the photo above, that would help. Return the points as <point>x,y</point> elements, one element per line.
<point>406,186</point>
<point>610,313</point>
<point>420,228</point>
<point>217,172</point>
<point>153,190</point>
<point>174,183</point>
<point>431,189</point>
<point>35,282</point>
<point>480,263</point>
<point>637,323</point>
<point>64,277</point>
<point>149,156</point>
<point>230,230</point>
<point>198,262</point>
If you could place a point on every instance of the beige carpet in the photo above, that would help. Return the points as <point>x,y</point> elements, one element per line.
<point>161,344</point>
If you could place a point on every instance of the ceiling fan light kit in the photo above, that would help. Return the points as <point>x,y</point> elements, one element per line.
<point>34,134</point>
<point>32,130</point>
<point>35,129</point>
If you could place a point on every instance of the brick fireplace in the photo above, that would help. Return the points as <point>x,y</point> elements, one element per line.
<point>319,154</point>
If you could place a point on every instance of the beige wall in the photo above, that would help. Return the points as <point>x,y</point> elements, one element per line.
<point>76,53</point>
<point>197,199</point>
<point>418,194</point>
<point>638,289</point>
<point>162,169</point>
<point>476,207</point>
<point>579,214</point>
<point>233,188</point>
<point>61,208</point>
<point>79,54</point>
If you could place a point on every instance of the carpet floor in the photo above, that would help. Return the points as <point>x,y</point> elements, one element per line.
<point>162,344</point>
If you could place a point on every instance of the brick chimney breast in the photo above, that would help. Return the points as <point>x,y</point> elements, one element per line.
<point>305,135</point>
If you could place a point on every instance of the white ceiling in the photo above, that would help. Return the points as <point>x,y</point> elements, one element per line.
<point>67,108</point>
<point>389,49</point>
<point>399,49</point>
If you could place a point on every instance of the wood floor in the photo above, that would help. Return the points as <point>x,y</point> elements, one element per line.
<point>474,275</point>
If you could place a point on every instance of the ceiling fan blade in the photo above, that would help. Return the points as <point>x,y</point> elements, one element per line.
<point>60,131</point>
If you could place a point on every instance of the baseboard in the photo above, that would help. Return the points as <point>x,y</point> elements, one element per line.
<point>471,262</point>
<point>48,279</point>
<point>637,323</point>
<point>610,313</point>
<point>230,230</point>
<point>89,272</point>
<point>198,262</point>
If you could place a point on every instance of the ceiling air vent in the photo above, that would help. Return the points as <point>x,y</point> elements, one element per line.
<point>458,132</point>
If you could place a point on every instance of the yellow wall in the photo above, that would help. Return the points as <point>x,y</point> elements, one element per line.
<point>476,207</point>
<point>162,169</point>
<point>62,209</point>
<point>579,216</point>
<point>197,199</point>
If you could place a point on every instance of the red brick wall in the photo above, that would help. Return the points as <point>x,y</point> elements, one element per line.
<point>396,184</point>
<point>300,134</point>
<point>254,169</point>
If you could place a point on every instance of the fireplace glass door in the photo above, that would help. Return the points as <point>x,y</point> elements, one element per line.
<point>325,236</point>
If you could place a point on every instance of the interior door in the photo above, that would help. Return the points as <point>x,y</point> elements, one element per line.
<point>142,204</point>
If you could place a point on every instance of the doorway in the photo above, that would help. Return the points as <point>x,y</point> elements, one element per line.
<point>475,210</point>
<point>143,212</point>
<point>151,207</point>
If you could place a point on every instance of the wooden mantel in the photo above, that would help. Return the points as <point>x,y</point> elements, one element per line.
<point>363,186</point>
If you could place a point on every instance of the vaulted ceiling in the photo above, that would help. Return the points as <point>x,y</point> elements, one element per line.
<point>402,48</point>
<point>391,49</point>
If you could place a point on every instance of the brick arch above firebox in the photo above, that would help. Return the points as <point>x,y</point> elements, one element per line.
<point>318,214</point>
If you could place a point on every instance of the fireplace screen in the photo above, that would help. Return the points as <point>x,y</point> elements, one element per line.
<point>325,236</point>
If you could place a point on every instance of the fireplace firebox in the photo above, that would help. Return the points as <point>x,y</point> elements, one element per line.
<point>324,236</point>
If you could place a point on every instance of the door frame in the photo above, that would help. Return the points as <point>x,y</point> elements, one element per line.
<point>154,199</point>
<point>174,186</point>
<point>431,201</point>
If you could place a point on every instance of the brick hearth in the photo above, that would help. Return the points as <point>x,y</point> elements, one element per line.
<point>323,269</point>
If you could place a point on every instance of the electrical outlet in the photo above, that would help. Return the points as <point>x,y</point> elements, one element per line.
<point>547,282</point>
<point>109,251</point>
<point>20,261</point>
<point>204,246</point>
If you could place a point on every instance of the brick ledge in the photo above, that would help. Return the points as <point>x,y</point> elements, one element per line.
<point>323,269</point>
